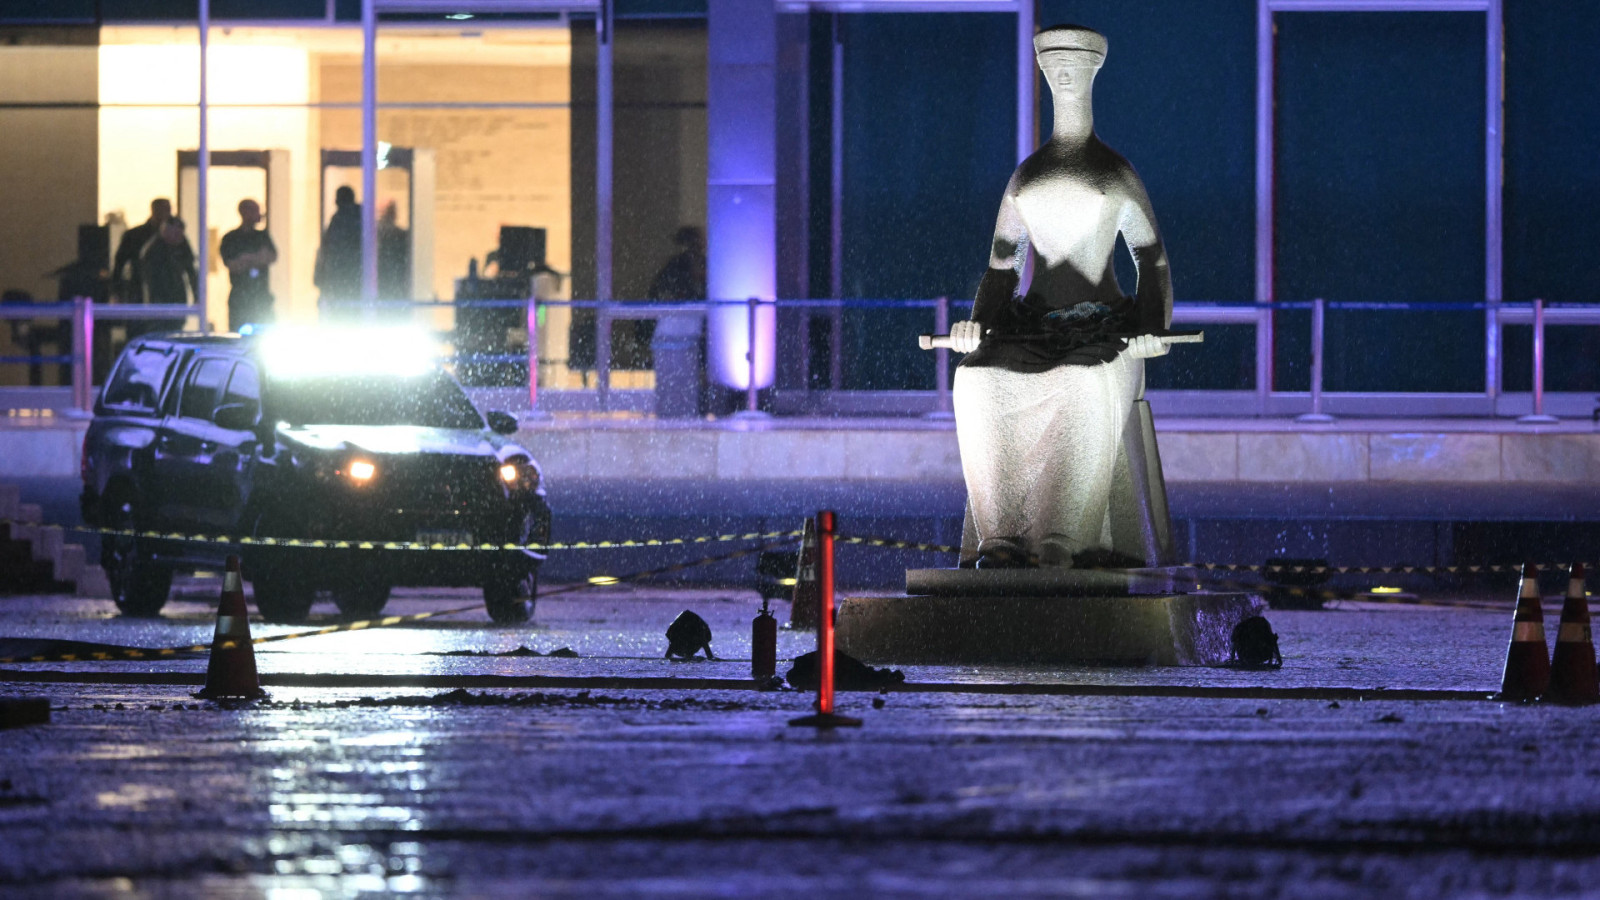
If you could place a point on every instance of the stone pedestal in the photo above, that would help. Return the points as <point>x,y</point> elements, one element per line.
<point>1044,616</point>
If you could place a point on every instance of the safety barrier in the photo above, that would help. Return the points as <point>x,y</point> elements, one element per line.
<point>767,540</point>
<point>1276,568</point>
<point>331,544</point>
<point>733,537</point>
<point>1575,629</point>
<point>389,621</point>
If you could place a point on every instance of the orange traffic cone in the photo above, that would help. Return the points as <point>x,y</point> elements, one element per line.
<point>1573,678</point>
<point>232,672</point>
<point>1527,672</point>
<point>807,590</point>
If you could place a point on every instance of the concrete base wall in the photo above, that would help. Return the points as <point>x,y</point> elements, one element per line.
<point>1479,451</point>
<point>832,451</point>
<point>1172,630</point>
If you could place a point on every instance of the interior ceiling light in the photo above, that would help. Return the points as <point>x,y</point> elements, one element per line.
<point>459,17</point>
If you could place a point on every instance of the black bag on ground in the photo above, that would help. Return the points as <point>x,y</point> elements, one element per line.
<point>849,673</point>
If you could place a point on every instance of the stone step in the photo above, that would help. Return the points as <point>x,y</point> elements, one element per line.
<point>23,533</point>
<point>70,561</point>
<point>92,583</point>
<point>47,542</point>
<point>40,559</point>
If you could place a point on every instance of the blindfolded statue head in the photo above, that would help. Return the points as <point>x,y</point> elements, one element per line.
<point>1069,56</point>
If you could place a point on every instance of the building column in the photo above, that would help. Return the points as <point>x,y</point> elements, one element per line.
<point>741,187</point>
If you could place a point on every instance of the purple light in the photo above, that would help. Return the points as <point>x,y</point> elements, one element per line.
<point>741,192</point>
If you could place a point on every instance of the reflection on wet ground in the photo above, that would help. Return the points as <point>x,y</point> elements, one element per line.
<point>141,790</point>
<point>619,632</point>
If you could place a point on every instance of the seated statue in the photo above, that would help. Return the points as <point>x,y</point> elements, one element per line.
<point>1052,374</point>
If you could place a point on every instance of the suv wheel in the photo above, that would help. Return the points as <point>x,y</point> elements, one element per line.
<point>282,597</point>
<point>363,600</point>
<point>508,594</point>
<point>139,585</point>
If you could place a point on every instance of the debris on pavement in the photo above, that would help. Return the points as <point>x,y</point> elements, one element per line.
<point>581,699</point>
<point>16,712</point>
<point>561,652</point>
<point>849,673</point>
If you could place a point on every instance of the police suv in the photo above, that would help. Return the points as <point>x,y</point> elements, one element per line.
<point>307,437</point>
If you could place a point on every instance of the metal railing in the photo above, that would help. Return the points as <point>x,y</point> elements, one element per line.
<point>1315,405</point>
<point>82,313</point>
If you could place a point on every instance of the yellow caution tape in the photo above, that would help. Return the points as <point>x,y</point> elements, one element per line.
<point>384,621</point>
<point>895,544</point>
<point>326,544</point>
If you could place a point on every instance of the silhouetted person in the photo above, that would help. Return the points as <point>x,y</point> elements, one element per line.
<point>129,288</point>
<point>338,272</point>
<point>681,278</point>
<point>247,251</point>
<point>168,263</point>
<point>394,256</point>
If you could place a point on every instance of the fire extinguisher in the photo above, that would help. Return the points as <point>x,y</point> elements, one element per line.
<point>763,644</point>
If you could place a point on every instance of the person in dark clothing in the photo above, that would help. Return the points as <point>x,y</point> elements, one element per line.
<point>394,256</point>
<point>129,288</point>
<point>247,251</point>
<point>167,260</point>
<point>338,270</point>
<point>684,275</point>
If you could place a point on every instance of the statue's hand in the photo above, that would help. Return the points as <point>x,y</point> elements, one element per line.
<point>965,336</point>
<point>1145,346</point>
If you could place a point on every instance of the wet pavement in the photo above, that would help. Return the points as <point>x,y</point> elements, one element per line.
<point>635,788</point>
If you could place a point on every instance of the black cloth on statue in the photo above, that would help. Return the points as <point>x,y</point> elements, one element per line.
<point>1076,336</point>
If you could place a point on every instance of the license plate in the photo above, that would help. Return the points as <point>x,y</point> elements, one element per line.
<point>448,538</point>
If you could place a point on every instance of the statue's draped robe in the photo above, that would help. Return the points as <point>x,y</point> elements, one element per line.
<point>1040,424</point>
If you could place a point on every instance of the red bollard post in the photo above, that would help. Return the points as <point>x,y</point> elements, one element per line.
<point>825,523</point>
<point>825,716</point>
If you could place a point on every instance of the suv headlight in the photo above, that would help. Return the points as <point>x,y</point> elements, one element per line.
<point>519,474</point>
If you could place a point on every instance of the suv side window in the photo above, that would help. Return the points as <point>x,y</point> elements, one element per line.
<point>244,389</point>
<point>140,377</point>
<point>204,388</point>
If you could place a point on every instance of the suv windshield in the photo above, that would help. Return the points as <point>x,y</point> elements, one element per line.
<point>430,400</point>
<point>139,379</point>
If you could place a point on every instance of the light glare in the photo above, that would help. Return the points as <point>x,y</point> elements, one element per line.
<point>508,473</point>
<point>306,352</point>
<point>361,470</point>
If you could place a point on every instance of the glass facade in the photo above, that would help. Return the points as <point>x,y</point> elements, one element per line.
<point>488,135</point>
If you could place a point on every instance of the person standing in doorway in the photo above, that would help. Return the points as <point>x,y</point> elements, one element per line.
<point>394,256</point>
<point>247,251</point>
<point>338,271</point>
